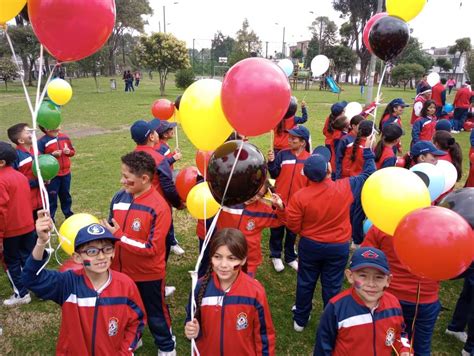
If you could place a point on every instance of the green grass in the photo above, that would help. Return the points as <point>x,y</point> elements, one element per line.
<point>98,124</point>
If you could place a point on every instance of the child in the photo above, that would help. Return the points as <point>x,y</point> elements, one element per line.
<point>141,218</point>
<point>280,139</point>
<point>392,113</point>
<point>287,169</point>
<point>384,150</point>
<point>422,307</point>
<point>337,109</point>
<point>232,313</point>
<point>166,132</point>
<point>102,312</point>
<point>20,135</point>
<point>364,319</point>
<point>444,141</point>
<point>423,151</point>
<point>16,223</point>
<point>443,125</point>
<point>345,141</point>
<point>420,99</point>
<point>340,128</point>
<point>251,218</point>
<point>319,213</point>
<point>424,127</point>
<point>59,145</point>
<point>470,178</point>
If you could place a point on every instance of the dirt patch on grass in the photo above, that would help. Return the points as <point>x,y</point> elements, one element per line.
<point>86,131</point>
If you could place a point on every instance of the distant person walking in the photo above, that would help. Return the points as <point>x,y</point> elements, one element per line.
<point>451,83</point>
<point>137,76</point>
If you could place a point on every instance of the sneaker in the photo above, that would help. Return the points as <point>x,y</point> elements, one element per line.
<point>166,353</point>
<point>169,290</point>
<point>454,131</point>
<point>460,335</point>
<point>278,264</point>
<point>17,300</point>
<point>294,265</point>
<point>177,250</point>
<point>297,327</point>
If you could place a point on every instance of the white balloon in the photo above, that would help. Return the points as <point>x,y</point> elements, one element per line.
<point>319,65</point>
<point>287,66</point>
<point>352,109</point>
<point>433,79</point>
<point>450,174</point>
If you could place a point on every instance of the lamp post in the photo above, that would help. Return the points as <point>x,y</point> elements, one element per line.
<point>164,16</point>
<point>283,41</point>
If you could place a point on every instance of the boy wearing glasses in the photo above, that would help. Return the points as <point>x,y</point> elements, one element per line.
<point>102,312</point>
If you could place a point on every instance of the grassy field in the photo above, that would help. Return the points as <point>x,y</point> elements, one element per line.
<point>98,125</point>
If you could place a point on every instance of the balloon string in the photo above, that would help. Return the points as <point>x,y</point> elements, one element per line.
<point>418,293</point>
<point>378,93</point>
<point>176,136</point>
<point>272,139</point>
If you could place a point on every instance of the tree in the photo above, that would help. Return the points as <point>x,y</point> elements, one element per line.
<point>8,71</point>
<point>129,17</point>
<point>297,54</point>
<point>462,45</point>
<point>358,12</point>
<point>221,46</point>
<point>347,35</point>
<point>325,30</point>
<point>164,53</point>
<point>406,72</point>
<point>470,65</point>
<point>313,50</point>
<point>93,64</point>
<point>414,54</point>
<point>247,44</point>
<point>444,64</point>
<point>344,59</point>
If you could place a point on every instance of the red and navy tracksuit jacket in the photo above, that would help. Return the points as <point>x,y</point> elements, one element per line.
<point>48,144</point>
<point>251,220</point>
<point>280,140</point>
<point>346,140</point>
<point>15,204</point>
<point>237,322</point>
<point>438,95</point>
<point>462,100</point>
<point>470,178</point>
<point>163,179</point>
<point>349,327</point>
<point>348,167</point>
<point>404,285</point>
<point>287,170</point>
<point>387,159</point>
<point>390,119</point>
<point>423,129</point>
<point>320,212</point>
<point>24,164</point>
<point>108,321</point>
<point>164,149</point>
<point>144,223</point>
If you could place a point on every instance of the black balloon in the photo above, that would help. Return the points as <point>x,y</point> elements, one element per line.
<point>248,177</point>
<point>388,37</point>
<point>462,202</point>
<point>424,177</point>
<point>177,101</point>
<point>291,108</point>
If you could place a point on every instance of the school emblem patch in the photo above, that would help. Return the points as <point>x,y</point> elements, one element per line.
<point>96,229</point>
<point>390,337</point>
<point>113,326</point>
<point>250,225</point>
<point>136,224</point>
<point>242,322</point>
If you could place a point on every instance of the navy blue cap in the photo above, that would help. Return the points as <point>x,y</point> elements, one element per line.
<point>424,147</point>
<point>300,131</point>
<point>140,129</point>
<point>392,132</point>
<point>7,153</point>
<point>443,125</point>
<point>398,102</point>
<point>92,232</point>
<point>425,88</point>
<point>316,165</point>
<point>338,108</point>
<point>165,126</point>
<point>369,257</point>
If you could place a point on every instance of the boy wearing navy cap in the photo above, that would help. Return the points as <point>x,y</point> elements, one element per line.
<point>102,312</point>
<point>363,319</point>
<point>337,109</point>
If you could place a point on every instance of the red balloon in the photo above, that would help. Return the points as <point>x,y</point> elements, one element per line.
<point>202,160</point>
<point>70,265</point>
<point>186,180</point>
<point>434,243</point>
<point>163,109</point>
<point>72,29</point>
<point>368,27</point>
<point>255,96</point>
<point>400,162</point>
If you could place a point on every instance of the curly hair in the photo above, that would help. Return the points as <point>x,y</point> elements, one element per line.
<point>140,163</point>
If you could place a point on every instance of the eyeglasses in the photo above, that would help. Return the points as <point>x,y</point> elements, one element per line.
<point>94,251</point>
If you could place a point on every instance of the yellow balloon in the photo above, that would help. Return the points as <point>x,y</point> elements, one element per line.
<point>9,9</point>
<point>70,228</point>
<point>59,91</point>
<point>391,193</point>
<point>405,9</point>
<point>201,115</point>
<point>199,194</point>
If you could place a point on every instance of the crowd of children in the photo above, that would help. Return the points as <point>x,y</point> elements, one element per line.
<point>121,286</point>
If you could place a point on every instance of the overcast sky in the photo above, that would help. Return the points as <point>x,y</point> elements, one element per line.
<point>440,23</point>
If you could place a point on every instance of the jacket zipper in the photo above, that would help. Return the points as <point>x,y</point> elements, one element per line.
<point>373,328</point>
<point>222,325</point>
<point>94,324</point>
<point>292,176</point>
<point>124,225</point>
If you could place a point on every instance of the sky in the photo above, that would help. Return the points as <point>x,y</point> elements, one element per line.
<point>439,24</point>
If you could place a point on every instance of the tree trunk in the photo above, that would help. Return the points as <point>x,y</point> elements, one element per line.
<point>163,74</point>
<point>364,63</point>
<point>6,86</point>
<point>30,72</point>
<point>111,69</point>
<point>96,82</point>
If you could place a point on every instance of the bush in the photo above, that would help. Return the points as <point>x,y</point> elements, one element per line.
<point>184,78</point>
